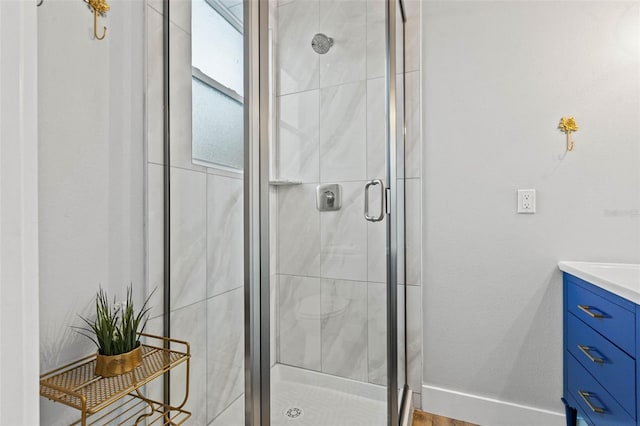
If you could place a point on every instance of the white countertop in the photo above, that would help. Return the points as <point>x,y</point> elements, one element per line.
<point>622,279</point>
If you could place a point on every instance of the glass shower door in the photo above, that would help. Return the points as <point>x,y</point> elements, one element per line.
<point>320,182</point>
<point>334,205</point>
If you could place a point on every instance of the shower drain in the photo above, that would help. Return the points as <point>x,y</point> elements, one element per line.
<point>293,412</point>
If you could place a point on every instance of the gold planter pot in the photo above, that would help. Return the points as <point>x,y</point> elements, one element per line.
<point>114,365</point>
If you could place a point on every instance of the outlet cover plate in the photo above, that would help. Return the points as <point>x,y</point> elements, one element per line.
<point>526,201</point>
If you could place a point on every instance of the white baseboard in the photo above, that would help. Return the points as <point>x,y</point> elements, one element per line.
<point>485,411</point>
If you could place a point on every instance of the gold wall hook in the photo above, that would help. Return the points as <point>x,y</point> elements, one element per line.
<point>95,27</point>
<point>98,7</point>
<point>568,125</point>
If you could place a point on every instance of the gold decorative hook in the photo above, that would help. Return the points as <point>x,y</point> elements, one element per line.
<point>568,125</point>
<point>98,7</point>
<point>95,27</point>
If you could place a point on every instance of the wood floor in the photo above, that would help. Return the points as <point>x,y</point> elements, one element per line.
<point>420,418</point>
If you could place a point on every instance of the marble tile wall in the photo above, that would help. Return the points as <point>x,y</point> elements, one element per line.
<point>298,69</point>
<point>328,297</point>
<point>225,351</point>
<point>190,323</point>
<point>331,127</point>
<point>299,326</point>
<point>345,22</point>
<point>343,306</point>
<point>225,266</point>
<point>298,147</point>
<point>343,130</point>
<point>206,235</point>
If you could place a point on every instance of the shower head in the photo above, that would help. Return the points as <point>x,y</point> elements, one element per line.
<point>321,43</point>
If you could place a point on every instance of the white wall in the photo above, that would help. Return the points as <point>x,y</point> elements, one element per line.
<point>497,77</point>
<point>91,171</point>
<point>18,215</point>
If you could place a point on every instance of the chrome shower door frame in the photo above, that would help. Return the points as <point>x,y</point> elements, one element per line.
<point>256,215</point>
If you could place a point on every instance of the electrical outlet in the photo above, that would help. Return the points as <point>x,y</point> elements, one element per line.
<point>526,200</point>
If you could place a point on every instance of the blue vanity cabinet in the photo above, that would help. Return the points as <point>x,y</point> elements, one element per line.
<point>599,350</point>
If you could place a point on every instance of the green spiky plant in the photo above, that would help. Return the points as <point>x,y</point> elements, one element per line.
<point>116,328</point>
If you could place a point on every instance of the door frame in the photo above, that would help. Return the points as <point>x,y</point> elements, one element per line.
<point>391,192</point>
<point>19,293</point>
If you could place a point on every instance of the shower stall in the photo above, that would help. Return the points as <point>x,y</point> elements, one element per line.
<point>288,278</point>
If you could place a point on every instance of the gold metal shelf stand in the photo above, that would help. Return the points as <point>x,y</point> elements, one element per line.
<point>77,386</point>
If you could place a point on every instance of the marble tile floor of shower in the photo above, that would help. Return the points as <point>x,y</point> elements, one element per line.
<point>307,398</point>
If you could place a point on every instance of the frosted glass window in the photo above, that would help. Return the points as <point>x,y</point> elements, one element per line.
<point>217,47</point>
<point>217,127</point>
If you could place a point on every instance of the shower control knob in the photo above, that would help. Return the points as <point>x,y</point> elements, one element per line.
<point>328,197</point>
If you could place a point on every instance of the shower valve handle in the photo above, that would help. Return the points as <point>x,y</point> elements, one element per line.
<point>330,197</point>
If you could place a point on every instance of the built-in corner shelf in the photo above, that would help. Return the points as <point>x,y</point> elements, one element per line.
<point>120,397</point>
<point>284,182</point>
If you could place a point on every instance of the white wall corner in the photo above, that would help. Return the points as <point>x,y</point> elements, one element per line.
<point>485,411</point>
<point>19,348</point>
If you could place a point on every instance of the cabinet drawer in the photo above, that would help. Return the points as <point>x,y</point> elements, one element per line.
<point>612,321</point>
<point>591,397</point>
<point>608,364</point>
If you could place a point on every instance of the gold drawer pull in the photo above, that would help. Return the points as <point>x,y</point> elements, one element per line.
<point>585,396</point>
<point>585,350</point>
<point>587,310</point>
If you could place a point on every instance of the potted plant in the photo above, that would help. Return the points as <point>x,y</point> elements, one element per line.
<point>116,331</point>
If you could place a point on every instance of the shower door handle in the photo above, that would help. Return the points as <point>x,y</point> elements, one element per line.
<point>375,182</point>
